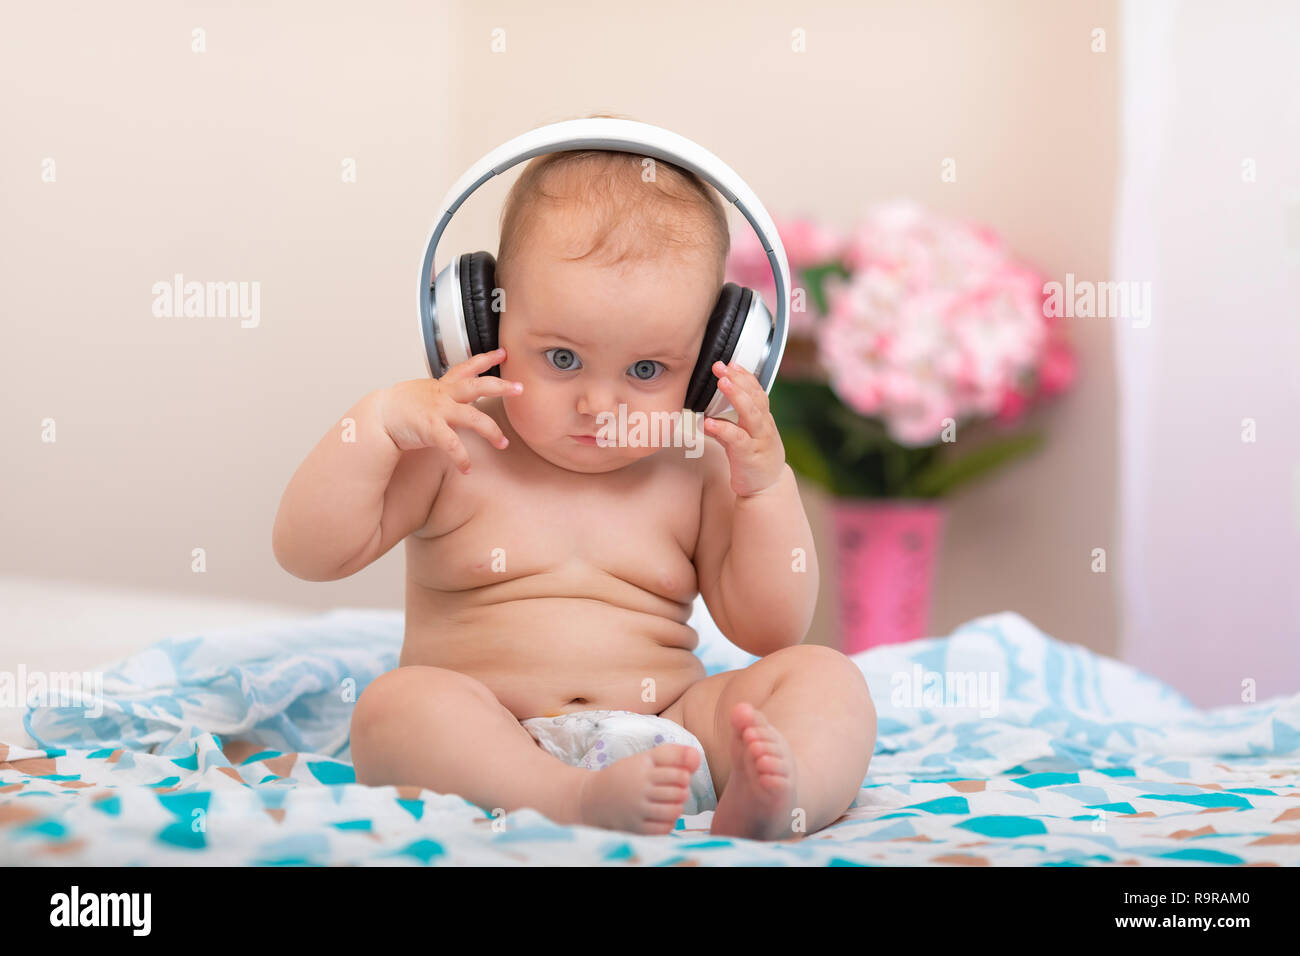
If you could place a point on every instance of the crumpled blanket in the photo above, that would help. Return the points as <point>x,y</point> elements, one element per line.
<point>997,744</point>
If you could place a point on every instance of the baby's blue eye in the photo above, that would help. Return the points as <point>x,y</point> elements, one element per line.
<point>565,360</point>
<point>645,370</point>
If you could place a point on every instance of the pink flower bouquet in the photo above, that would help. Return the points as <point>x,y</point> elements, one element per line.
<point>903,334</point>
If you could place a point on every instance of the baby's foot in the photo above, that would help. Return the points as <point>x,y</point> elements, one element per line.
<point>643,793</point>
<point>760,794</point>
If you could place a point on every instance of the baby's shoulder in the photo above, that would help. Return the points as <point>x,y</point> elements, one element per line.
<point>704,459</point>
<point>715,468</point>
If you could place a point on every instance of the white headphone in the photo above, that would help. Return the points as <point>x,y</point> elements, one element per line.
<point>457,320</point>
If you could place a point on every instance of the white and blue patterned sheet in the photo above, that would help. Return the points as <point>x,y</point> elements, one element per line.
<point>1070,759</point>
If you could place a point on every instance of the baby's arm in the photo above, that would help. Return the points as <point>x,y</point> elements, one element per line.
<point>350,501</point>
<point>756,561</point>
<point>370,482</point>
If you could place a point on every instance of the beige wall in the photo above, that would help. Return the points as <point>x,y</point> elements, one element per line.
<point>181,433</point>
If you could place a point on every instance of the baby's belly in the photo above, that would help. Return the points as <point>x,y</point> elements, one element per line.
<point>551,655</point>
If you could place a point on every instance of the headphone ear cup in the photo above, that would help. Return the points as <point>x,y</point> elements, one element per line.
<point>477,284</point>
<point>720,338</point>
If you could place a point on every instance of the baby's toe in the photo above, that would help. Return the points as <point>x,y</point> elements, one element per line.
<point>670,776</point>
<point>676,756</point>
<point>668,794</point>
<point>769,767</point>
<point>764,732</point>
<point>745,715</point>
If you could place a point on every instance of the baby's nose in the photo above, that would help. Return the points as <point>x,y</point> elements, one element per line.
<point>593,401</point>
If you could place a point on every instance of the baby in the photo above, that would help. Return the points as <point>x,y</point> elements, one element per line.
<point>556,575</point>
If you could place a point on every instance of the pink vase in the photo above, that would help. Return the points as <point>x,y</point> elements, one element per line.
<point>885,554</point>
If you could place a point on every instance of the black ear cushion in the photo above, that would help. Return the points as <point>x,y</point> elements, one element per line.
<point>478,271</point>
<point>720,338</point>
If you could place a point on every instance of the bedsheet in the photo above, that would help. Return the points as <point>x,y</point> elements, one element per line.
<point>997,745</point>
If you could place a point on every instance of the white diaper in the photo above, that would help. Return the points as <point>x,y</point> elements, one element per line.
<point>596,738</point>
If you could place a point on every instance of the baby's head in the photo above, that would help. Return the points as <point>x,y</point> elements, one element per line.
<point>610,265</point>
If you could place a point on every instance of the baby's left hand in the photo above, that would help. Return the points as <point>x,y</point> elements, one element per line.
<point>753,445</point>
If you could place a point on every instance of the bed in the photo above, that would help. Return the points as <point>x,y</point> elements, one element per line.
<point>997,745</point>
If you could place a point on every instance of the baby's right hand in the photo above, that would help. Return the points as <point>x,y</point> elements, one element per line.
<point>420,413</point>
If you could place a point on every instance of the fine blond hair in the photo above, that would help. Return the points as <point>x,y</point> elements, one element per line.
<point>632,209</point>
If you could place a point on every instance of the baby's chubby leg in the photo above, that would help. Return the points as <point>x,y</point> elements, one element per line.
<point>447,732</point>
<point>788,740</point>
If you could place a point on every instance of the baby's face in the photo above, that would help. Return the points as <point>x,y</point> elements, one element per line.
<point>585,338</point>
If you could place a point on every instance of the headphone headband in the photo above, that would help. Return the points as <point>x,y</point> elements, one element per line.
<point>624,136</point>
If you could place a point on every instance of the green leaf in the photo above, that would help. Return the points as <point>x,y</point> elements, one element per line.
<point>943,476</point>
<point>860,434</point>
<point>814,280</point>
<point>803,455</point>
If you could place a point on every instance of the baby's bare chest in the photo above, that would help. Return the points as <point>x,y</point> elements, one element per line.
<point>516,534</point>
